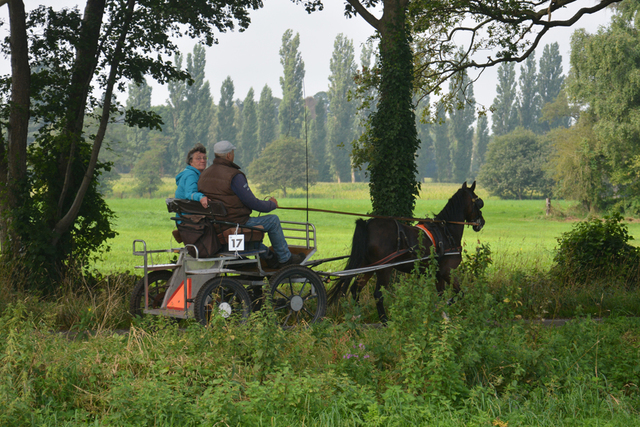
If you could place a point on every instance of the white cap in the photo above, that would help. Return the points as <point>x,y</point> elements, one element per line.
<point>223,147</point>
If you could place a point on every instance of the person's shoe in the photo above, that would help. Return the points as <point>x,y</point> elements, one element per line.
<point>295,259</point>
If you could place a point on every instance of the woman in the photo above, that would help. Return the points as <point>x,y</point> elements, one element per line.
<point>187,180</point>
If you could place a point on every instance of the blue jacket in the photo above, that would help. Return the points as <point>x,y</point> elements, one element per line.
<point>187,182</point>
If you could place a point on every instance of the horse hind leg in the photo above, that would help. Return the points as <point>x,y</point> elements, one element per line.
<point>359,284</point>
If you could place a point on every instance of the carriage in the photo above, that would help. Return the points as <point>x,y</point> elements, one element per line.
<point>220,272</point>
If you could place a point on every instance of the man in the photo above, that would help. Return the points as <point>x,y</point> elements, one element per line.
<point>224,182</point>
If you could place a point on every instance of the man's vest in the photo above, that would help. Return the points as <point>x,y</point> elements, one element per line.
<point>215,183</point>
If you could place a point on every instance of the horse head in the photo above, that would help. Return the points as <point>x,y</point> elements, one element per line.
<point>474,205</point>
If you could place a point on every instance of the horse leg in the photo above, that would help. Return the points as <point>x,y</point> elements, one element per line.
<point>382,279</point>
<point>359,285</point>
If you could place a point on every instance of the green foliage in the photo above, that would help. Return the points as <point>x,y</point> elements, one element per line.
<point>267,119</point>
<point>595,248</point>
<point>529,99</point>
<point>461,129</point>
<point>505,115</point>
<point>282,165</point>
<point>392,139</point>
<point>227,130</point>
<point>248,147</point>
<point>291,109</point>
<point>515,166</point>
<point>604,81</point>
<point>341,115</point>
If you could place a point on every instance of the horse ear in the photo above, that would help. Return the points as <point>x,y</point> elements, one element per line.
<point>473,186</point>
<point>464,185</point>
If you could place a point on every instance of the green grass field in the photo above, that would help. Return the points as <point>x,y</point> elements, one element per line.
<point>517,231</point>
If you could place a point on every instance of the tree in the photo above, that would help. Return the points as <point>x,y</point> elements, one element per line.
<point>55,215</point>
<point>249,134</point>
<point>140,99</point>
<point>318,139</point>
<point>292,106</point>
<point>441,146</point>
<point>505,114</point>
<point>282,165</point>
<point>529,99</point>
<point>226,113</point>
<point>461,129</point>
<point>341,116</point>
<point>515,166</point>
<point>267,119</point>
<point>550,81</point>
<point>480,146</point>
<point>392,143</point>
<point>425,161</point>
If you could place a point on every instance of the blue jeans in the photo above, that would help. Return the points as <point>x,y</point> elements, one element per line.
<point>271,224</point>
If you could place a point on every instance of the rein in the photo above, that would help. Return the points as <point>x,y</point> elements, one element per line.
<point>381,216</point>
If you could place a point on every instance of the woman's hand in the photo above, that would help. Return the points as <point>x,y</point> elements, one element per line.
<point>204,201</point>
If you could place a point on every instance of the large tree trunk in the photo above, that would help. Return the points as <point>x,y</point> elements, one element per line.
<point>392,168</point>
<point>14,170</point>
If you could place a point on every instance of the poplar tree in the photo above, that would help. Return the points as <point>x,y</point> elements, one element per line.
<point>249,134</point>
<point>460,128</point>
<point>441,146</point>
<point>137,138</point>
<point>550,82</point>
<point>341,116</point>
<point>505,114</point>
<point>529,108</point>
<point>267,119</point>
<point>480,145</point>
<point>425,160</point>
<point>226,130</point>
<point>318,139</point>
<point>291,114</point>
<point>191,108</point>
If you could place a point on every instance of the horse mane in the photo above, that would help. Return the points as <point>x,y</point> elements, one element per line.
<point>455,206</point>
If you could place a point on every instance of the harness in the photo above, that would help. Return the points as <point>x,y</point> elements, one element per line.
<point>440,237</point>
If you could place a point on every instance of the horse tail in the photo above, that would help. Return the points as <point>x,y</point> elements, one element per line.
<point>356,259</point>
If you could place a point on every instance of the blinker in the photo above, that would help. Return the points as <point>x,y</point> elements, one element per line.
<point>479,203</point>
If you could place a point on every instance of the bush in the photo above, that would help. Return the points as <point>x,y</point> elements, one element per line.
<point>597,248</point>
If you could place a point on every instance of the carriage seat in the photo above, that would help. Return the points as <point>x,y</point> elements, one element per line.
<point>194,218</point>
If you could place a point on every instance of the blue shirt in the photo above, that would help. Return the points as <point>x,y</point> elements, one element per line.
<point>187,182</point>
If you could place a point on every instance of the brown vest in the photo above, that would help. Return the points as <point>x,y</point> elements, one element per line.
<point>215,183</point>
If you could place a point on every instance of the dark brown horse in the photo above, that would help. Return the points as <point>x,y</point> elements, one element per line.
<point>382,241</point>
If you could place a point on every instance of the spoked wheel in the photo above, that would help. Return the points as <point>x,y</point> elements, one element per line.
<point>298,296</point>
<point>223,296</point>
<point>158,285</point>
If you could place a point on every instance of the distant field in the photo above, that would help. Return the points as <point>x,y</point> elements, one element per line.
<point>517,230</point>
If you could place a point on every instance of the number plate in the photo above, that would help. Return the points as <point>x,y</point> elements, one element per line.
<point>236,242</point>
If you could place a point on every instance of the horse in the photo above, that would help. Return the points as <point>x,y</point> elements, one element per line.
<point>386,240</point>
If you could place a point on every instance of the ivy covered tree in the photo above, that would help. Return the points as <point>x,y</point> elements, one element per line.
<point>66,64</point>
<point>291,111</point>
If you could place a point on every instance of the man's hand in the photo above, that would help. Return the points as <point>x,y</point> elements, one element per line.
<point>204,201</point>
<point>273,199</point>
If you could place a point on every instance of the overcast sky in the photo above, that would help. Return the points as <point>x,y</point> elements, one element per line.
<point>252,57</point>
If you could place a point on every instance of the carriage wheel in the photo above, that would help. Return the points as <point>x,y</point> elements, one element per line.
<point>223,296</point>
<point>158,285</point>
<point>298,296</point>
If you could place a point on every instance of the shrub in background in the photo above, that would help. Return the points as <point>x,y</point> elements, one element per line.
<point>597,248</point>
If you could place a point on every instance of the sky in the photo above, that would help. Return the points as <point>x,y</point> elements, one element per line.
<point>251,58</point>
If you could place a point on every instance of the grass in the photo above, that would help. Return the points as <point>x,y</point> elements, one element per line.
<point>518,232</point>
